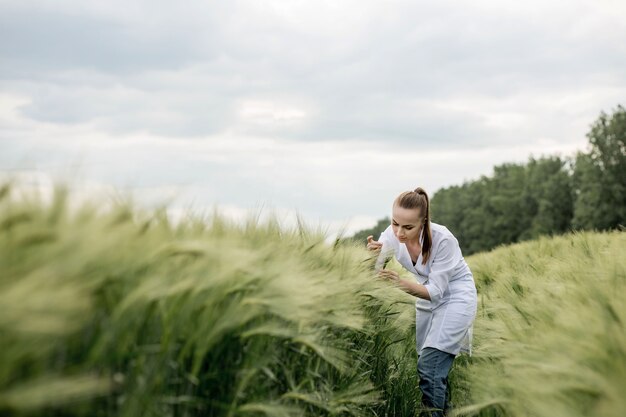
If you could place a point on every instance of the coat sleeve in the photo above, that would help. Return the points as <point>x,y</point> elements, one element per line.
<point>385,235</point>
<point>442,269</point>
<point>389,248</point>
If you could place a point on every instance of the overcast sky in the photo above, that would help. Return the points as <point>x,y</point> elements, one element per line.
<point>331,108</point>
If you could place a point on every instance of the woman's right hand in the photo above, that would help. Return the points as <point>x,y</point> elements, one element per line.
<point>373,244</point>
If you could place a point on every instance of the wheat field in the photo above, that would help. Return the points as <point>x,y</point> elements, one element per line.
<point>112,310</point>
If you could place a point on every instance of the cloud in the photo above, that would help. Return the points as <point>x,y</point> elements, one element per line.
<point>352,71</point>
<point>329,107</point>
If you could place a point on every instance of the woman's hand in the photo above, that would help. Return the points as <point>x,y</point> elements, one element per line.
<point>389,274</point>
<point>373,244</point>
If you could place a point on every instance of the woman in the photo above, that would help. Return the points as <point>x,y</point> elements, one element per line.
<point>444,286</point>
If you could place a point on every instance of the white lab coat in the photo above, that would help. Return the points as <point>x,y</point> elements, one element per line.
<point>444,322</point>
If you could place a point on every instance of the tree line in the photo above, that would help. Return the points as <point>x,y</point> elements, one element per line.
<point>546,196</point>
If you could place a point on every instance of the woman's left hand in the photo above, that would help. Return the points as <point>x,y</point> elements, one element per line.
<point>389,274</point>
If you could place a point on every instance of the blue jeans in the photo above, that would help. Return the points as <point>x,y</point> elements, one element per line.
<point>433,367</point>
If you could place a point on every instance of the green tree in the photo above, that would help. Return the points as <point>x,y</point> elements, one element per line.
<point>600,175</point>
<point>510,215</point>
<point>446,210</point>
<point>472,233</point>
<point>548,197</point>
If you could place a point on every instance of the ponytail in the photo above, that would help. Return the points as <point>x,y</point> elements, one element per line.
<point>427,243</point>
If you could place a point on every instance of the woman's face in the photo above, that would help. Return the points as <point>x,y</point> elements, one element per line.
<point>406,224</point>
